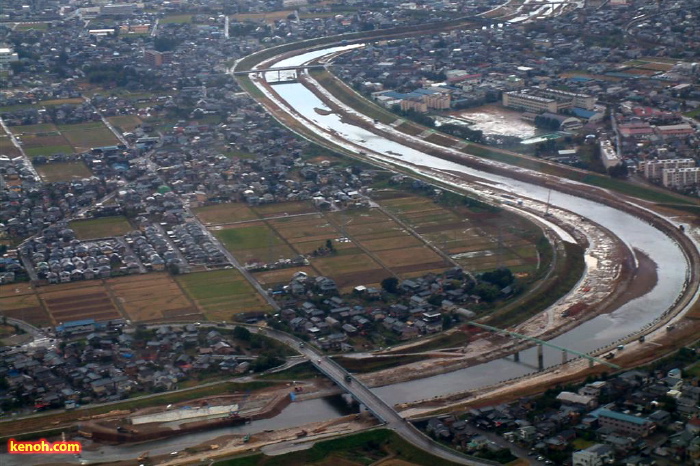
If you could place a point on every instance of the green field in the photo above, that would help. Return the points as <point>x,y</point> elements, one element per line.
<point>28,26</point>
<point>254,243</point>
<point>225,213</point>
<point>83,136</point>
<point>54,172</point>
<point>125,123</point>
<point>43,139</point>
<point>48,150</point>
<point>103,227</point>
<point>176,19</point>
<point>222,294</point>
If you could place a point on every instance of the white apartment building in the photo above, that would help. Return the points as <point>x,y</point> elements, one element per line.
<point>7,56</point>
<point>680,177</point>
<point>595,455</point>
<point>538,100</point>
<point>608,155</point>
<point>653,169</point>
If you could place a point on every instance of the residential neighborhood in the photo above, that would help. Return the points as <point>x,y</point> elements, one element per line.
<point>639,417</point>
<point>389,203</point>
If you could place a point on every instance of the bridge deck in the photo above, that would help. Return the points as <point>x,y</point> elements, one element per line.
<point>544,343</point>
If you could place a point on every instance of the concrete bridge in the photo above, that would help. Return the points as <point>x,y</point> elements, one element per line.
<point>375,405</point>
<point>540,343</point>
<point>279,69</point>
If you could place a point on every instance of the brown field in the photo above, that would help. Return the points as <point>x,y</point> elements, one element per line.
<point>336,265</point>
<point>392,242</point>
<point>155,297</point>
<point>275,277</point>
<point>15,290</point>
<point>347,281</point>
<point>224,213</point>
<point>19,302</point>
<point>284,208</point>
<point>375,240</point>
<point>350,265</point>
<point>306,233</point>
<point>477,241</point>
<point>68,171</point>
<point>88,300</point>
<point>102,227</point>
<point>125,123</point>
<point>6,146</point>
<point>410,257</point>
<point>642,71</point>
<point>656,66</point>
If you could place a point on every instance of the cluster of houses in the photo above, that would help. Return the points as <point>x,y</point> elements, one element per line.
<point>10,267</point>
<point>27,205</point>
<point>525,67</point>
<point>58,257</point>
<point>63,258</point>
<point>92,362</point>
<point>637,418</point>
<point>331,321</point>
<point>57,114</point>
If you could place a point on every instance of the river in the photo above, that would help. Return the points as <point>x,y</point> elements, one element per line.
<point>672,267</point>
<point>600,331</point>
<point>296,414</point>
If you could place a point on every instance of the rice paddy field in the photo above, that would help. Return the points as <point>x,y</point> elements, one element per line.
<point>221,294</point>
<point>407,236</point>
<point>154,297</point>
<point>102,227</point>
<point>477,241</point>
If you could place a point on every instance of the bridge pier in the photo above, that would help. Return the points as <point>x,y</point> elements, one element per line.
<point>540,344</point>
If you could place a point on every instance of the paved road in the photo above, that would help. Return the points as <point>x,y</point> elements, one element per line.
<point>372,402</point>
<point>30,329</point>
<point>237,264</point>
<point>18,146</point>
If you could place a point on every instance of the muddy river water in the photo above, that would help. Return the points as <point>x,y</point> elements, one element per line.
<point>672,270</point>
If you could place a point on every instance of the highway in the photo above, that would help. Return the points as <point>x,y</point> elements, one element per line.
<point>372,402</point>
